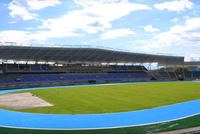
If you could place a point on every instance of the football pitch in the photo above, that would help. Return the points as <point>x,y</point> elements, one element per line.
<point>115,98</point>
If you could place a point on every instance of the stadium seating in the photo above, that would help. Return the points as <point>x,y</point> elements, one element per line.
<point>23,75</point>
<point>46,75</point>
<point>71,77</point>
<point>24,68</point>
<point>196,75</point>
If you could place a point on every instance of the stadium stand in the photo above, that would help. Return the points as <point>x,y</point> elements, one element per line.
<point>72,75</point>
<point>53,66</point>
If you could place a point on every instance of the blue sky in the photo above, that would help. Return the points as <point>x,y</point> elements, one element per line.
<point>169,27</point>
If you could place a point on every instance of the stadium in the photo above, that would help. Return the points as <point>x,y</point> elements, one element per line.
<point>100,67</point>
<point>95,90</point>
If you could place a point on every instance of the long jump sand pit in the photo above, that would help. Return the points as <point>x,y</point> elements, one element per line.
<point>22,101</point>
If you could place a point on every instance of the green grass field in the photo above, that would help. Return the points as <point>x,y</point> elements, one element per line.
<point>115,98</point>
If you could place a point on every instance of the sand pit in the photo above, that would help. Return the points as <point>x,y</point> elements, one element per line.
<point>22,101</point>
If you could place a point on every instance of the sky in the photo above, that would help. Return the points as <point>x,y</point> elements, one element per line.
<point>170,27</point>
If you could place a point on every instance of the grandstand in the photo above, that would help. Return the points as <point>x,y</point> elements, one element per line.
<point>49,66</point>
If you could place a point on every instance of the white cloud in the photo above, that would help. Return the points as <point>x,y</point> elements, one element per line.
<point>186,17</point>
<point>93,17</point>
<point>112,34</point>
<point>150,28</point>
<point>28,38</point>
<point>178,35</point>
<point>93,2</point>
<point>188,33</point>
<point>174,20</point>
<point>18,10</point>
<point>20,37</point>
<point>90,18</point>
<point>44,35</point>
<point>23,9</point>
<point>193,56</point>
<point>40,4</point>
<point>176,5</point>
